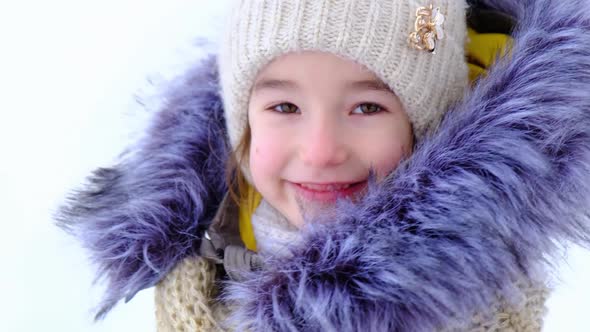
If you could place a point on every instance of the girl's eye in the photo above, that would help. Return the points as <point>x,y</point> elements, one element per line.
<point>367,108</point>
<point>285,108</point>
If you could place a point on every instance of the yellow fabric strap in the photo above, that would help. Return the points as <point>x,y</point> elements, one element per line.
<point>248,205</point>
<point>481,51</point>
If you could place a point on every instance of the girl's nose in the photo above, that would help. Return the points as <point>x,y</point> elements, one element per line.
<point>324,145</point>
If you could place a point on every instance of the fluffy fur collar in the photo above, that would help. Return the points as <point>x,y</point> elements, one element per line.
<point>495,191</point>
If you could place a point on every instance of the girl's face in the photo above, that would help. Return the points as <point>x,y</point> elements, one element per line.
<point>319,125</point>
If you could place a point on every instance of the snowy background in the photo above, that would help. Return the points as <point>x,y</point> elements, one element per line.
<point>71,75</point>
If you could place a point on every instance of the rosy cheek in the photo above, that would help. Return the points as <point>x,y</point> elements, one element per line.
<point>387,163</point>
<point>264,161</point>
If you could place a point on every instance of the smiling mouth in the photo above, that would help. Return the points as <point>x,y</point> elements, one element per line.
<point>326,187</point>
<point>328,192</point>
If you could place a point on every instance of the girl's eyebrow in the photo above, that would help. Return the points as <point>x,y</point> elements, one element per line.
<point>370,84</point>
<point>274,84</point>
<point>277,84</point>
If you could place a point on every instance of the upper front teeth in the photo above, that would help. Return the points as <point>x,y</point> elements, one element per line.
<point>325,187</point>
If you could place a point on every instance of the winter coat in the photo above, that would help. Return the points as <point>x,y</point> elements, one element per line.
<point>455,239</point>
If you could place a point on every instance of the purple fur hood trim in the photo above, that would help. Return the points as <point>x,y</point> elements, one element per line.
<point>140,217</point>
<point>493,193</point>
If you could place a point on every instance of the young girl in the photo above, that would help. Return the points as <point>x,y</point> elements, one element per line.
<point>342,201</point>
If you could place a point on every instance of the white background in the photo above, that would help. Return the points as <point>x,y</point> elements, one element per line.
<point>69,75</point>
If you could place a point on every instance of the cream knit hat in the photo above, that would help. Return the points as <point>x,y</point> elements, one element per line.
<point>373,33</point>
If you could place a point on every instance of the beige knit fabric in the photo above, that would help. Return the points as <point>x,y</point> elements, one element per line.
<point>373,33</point>
<point>185,302</point>
<point>184,298</point>
<point>525,316</point>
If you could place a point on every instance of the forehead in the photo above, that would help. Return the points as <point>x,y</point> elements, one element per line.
<point>292,70</point>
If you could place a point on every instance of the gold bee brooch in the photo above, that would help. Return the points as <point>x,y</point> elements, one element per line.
<point>428,29</point>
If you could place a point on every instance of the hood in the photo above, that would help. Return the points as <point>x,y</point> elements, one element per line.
<point>495,191</point>
<point>140,216</point>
